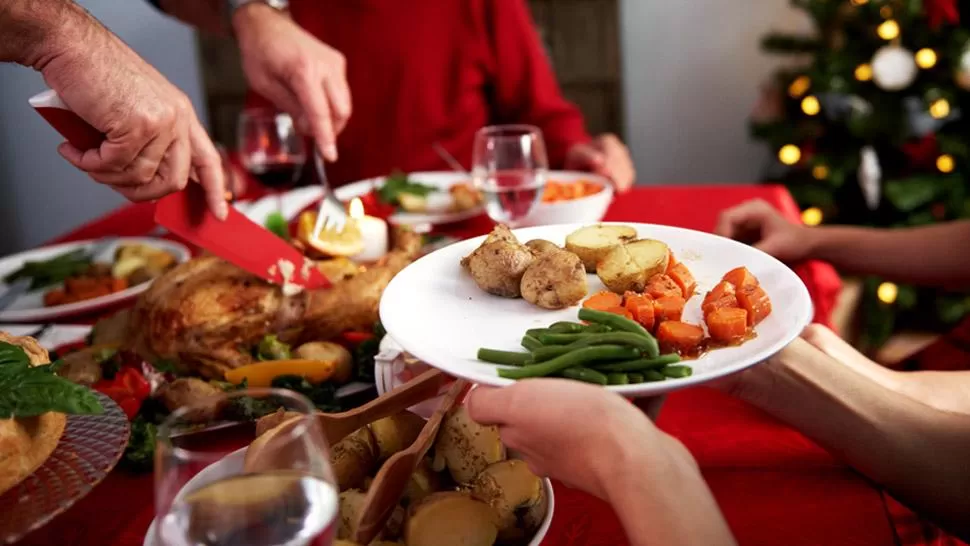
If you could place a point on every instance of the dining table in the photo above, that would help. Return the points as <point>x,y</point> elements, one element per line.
<point>774,485</point>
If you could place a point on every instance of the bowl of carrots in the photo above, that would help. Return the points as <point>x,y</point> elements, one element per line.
<point>571,197</point>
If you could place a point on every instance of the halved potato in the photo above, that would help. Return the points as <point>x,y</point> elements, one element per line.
<point>396,432</point>
<point>351,503</point>
<point>451,518</point>
<point>593,243</point>
<point>508,486</point>
<point>466,447</point>
<point>628,267</point>
<point>353,458</point>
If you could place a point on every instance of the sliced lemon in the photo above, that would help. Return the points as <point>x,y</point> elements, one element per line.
<point>331,242</point>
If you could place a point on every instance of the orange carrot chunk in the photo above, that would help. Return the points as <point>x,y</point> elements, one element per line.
<point>622,311</point>
<point>661,285</point>
<point>603,301</point>
<point>723,295</point>
<point>681,337</point>
<point>728,324</point>
<point>671,261</point>
<point>646,315</point>
<point>740,277</point>
<point>669,308</point>
<point>684,279</point>
<point>754,300</point>
<point>641,307</point>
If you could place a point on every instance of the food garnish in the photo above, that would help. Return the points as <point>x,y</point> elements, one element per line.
<point>330,242</point>
<point>28,391</point>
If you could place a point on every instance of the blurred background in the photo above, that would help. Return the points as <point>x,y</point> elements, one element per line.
<point>676,81</point>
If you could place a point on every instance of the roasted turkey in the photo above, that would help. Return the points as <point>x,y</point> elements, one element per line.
<point>206,314</point>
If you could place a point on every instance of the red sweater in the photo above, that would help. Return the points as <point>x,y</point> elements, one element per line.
<point>422,71</point>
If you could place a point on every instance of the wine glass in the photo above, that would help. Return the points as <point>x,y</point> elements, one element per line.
<point>272,150</point>
<point>211,492</point>
<point>509,167</point>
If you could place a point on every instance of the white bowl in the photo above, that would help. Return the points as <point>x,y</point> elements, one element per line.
<point>232,465</point>
<point>584,210</point>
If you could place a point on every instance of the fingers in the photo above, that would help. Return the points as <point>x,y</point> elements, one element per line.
<point>617,163</point>
<point>488,405</point>
<point>340,103</point>
<point>733,220</point>
<point>207,164</point>
<point>316,108</point>
<point>831,344</point>
<point>650,406</point>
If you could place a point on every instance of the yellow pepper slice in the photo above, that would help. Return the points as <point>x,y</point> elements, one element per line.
<point>261,374</point>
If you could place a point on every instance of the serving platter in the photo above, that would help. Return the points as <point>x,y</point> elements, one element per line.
<point>441,180</point>
<point>30,307</point>
<point>434,310</point>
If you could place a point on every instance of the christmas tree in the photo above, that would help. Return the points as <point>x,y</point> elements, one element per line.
<point>869,126</point>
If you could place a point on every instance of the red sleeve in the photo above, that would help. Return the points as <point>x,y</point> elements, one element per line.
<point>524,87</point>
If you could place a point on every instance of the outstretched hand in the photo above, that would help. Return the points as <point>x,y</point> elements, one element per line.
<point>760,224</point>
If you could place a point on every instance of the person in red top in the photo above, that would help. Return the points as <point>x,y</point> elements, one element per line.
<point>412,74</point>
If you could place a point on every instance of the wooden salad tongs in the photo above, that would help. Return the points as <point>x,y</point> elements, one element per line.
<point>392,479</point>
<point>336,426</point>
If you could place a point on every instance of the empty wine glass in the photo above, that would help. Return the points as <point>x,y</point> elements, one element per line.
<point>210,492</point>
<point>509,167</point>
<point>271,149</point>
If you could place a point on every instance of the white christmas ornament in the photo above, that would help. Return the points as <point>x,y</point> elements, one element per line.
<point>870,177</point>
<point>893,68</point>
<point>962,75</point>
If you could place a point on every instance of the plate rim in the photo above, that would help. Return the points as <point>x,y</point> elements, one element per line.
<point>389,318</point>
<point>47,313</point>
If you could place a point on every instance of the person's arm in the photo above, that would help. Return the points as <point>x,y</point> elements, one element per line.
<point>918,453</point>
<point>32,33</point>
<point>930,255</point>
<point>525,88</point>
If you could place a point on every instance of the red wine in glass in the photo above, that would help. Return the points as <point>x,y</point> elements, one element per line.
<point>277,176</point>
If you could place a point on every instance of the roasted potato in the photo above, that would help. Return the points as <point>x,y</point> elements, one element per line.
<point>424,481</point>
<point>111,330</point>
<point>327,351</point>
<point>541,246</point>
<point>498,264</point>
<point>628,267</point>
<point>451,518</point>
<point>351,504</point>
<point>84,366</point>
<point>190,391</point>
<point>395,433</point>
<point>555,280</point>
<point>592,243</point>
<point>354,458</point>
<point>465,447</point>
<point>508,486</point>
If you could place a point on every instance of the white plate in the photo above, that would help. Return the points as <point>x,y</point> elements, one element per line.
<point>232,464</point>
<point>293,202</point>
<point>30,306</point>
<point>435,311</point>
<point>442,180</point>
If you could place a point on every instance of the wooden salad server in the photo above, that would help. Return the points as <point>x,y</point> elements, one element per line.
<point>336,426</point>
<point>391,481</point>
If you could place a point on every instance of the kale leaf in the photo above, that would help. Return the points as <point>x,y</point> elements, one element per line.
<point>140,452</point>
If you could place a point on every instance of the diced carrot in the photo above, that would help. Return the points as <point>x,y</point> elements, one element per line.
<point>723,295</point>
<point>622,311</point>
<point>54,297</point>
<point>740,277</point>
<point>118,284</point>
<point>641,307</point>
<point>661,285</point>
<point>754,300</point>
<point>669,308</point>
<point>684,279</point>
<point>603,301</point>
<point>728,324</point>
<point>680,336</point>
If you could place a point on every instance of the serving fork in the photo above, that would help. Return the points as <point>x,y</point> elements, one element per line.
<point>331,215</point>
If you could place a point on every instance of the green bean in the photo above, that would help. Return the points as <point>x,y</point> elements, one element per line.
<point>653,375</point>
<point>536,332</point>
<point>531,343</point>
<point>561,339</point>
<point>647,345</point>
<point>677,372</point>
<point>612,320</point>
<point>618,379</point>
<point>543,354</point>
<point>508,358</point>
<point>586,375</point>
<point>640,364</point>
<point>635,377</point>
<point>566,327</point>
<point>579,357</point>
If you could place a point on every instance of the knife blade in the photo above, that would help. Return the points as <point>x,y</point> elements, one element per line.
<point>237,239</point>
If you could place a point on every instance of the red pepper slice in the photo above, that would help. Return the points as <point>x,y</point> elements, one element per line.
<point>355,338</point>
<point>134,382</point>
<point>131,406</point>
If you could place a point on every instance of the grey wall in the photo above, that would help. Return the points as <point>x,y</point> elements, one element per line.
<point>42,195</point>
<point>691,73</point>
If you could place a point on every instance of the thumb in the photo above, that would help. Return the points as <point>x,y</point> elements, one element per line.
<point>487,405</point>
<point>585,157</point>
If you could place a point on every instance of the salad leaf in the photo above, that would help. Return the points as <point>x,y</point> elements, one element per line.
<point>278,225</point>
<point>323,396</point>
<point>27,391</point>
<point>140,453</point>
<point>398,183</point>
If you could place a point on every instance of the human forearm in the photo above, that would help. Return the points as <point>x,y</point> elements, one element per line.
<point>33,32</point>
<point>916,452</point>
<point>206,15</point>
<point>661,498</point>
<point>925,255</point>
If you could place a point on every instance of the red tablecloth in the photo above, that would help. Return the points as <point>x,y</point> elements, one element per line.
<point>774,485</point>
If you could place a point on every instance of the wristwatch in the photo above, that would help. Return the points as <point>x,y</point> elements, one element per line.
<point>234,5</point>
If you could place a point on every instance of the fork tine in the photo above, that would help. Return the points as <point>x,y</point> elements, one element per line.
<point>334,219</point>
